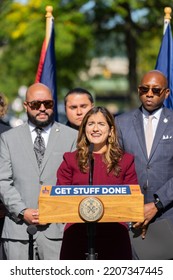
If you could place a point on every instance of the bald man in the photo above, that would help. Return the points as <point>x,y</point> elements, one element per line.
<point>154,167</point>
<point>21,176</point>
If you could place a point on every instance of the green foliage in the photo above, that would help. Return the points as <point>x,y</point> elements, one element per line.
<point>22,32</point>
<point>83,29</point>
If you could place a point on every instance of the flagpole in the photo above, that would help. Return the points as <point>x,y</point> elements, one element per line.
<point>167,17</point>
<point>49,16</point>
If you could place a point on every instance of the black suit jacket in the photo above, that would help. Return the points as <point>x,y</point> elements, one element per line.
<point>3,126</point>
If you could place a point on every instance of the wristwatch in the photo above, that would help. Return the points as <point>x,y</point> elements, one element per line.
<point>21,214</point>
<point>158,204</point>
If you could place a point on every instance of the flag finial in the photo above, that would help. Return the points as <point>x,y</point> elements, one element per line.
<point>49,17</point>
<point>168,12</point>
<point>167,18</point>
<point>49,10</point>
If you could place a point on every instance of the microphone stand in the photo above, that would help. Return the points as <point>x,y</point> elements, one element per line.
<point>91,229</point>
<point>31,230</point>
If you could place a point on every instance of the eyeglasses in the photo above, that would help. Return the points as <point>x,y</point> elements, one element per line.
<point>35,104</point>
<point>155,90</point>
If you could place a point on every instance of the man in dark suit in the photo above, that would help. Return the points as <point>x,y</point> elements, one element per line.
<point>23,171</point>
<point>155,169</point>
<point>3,127</point>
<point>77,102</point>
<point>3,109</point>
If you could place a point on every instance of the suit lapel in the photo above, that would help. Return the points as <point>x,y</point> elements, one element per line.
<point>26,140</point>
<point>25,136</point>
<point>139,128</point>
<point>53,140</point>
<point>162,125</point>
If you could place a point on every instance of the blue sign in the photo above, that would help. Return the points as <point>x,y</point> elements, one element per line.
<point>90,190</point>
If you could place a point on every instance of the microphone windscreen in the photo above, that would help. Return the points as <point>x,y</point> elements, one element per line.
<point>91,148</point>
<point>31,229</point>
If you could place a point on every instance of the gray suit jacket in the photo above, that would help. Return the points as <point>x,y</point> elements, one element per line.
<point>155,175</point>
<point>21,179</point>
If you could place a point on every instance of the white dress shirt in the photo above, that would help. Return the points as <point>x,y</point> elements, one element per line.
<point>155,121</point>
<point>45,133</point>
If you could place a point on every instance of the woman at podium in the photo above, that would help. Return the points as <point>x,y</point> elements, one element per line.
<point>98,160</point>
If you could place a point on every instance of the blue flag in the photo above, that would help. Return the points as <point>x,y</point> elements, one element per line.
<point>46,72</point>
<point>165,63</point>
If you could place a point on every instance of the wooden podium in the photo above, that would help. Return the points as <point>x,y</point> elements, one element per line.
<point>62,204</point>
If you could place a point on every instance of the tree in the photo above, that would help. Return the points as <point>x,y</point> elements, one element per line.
<point>22,31</point>
<point>84,29</point>
<point>134,28</point>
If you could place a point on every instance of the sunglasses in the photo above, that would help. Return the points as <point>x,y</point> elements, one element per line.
<point>155,90</point>
<point>35,104</point>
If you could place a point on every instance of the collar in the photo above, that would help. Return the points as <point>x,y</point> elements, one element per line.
<point>33,126</point>
<point>156,113</point>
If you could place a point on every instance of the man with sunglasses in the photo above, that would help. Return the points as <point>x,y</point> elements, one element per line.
<point>155,168</point>
<point>21,176</point>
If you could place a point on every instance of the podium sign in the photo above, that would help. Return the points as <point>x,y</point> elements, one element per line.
<point>102,203</point>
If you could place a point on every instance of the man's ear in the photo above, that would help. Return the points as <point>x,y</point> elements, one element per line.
<point>167,93</point>
<point>25,105</point>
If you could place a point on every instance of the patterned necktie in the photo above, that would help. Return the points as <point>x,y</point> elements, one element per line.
<point>149,134</point>
<point>39,146</point>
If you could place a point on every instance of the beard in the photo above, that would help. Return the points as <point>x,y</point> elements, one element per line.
<point>38,123</point>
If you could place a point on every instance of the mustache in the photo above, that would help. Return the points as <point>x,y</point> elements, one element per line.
<point>42,113</point>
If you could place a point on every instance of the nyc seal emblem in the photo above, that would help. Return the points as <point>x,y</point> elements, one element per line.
<point>91,209</point>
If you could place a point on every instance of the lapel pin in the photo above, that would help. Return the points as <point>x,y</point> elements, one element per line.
<point>165,120</point>
<point>57,129</point>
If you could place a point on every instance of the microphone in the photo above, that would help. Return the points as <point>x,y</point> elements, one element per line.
<point>91,227</point>
<point>91,163</point>
<point>31,230</point>
<point>91,148</point>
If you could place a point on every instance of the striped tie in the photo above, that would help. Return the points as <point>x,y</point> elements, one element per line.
<point>39,146</point>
